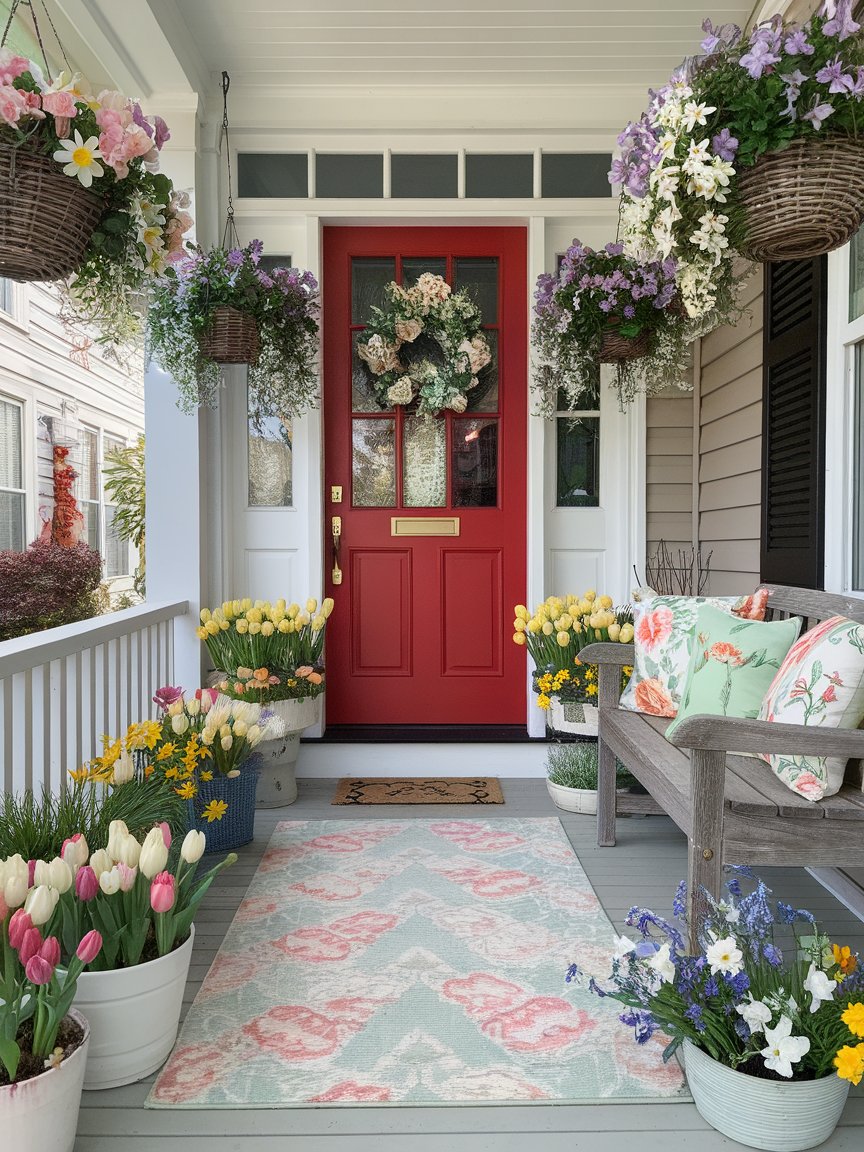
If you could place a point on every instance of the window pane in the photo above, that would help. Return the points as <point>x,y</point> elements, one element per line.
<point>356,175</point>
<point>269,174</point>
<point>413,268</point>
<point>5,295</point>
<point>116,550</point>
<point>271,263</point>
<point>270,475</point>
<point>484,397</point>
<point>578,457</point>
<point>88,473</point>
<point>427,176</point>
<point>363,398</point>
<point>11,521</point>
<point>370,275</point>
<point>858,475</point>
<point>576,173</point>
<point>373,465</point>
<point>11,468</point>
<point>479,275</point>
<point>587,400</point>
<point>90,533</point>
<point>475,463</point>
<point>500,175</point>
<point>856,276</point>
<point>424,482</point>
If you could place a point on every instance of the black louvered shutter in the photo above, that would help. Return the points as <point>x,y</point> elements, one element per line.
<point>793,423</point>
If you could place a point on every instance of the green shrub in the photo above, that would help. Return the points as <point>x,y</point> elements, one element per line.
<point>575,766</point>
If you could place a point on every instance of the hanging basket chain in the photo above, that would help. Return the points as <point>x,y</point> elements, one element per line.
<point>16,4</point>
<point>230,232</point>
<point>54,30</point>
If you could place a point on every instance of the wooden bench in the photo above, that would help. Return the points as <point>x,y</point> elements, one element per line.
<point>733,809</point>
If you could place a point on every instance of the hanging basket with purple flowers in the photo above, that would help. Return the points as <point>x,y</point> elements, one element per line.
<point>604,307</point>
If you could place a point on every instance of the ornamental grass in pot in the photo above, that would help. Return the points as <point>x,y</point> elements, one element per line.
<point>571,777</point>
<point>43,1040</point>
<point>769,1012</point>
<point>138,901</point>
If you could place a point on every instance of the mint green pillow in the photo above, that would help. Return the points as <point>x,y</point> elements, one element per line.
<point>732,664</point>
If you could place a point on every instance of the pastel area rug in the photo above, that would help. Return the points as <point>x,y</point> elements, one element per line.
<point>419,790</point>
<point>411,962</point>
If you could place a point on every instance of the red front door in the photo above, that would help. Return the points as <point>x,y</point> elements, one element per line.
<point>433,528</point>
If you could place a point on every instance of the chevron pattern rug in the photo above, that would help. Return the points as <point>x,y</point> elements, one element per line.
<point>411,962</point>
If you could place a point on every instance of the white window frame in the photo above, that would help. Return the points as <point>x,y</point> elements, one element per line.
<point>15,402</point>
<point>101,504</point>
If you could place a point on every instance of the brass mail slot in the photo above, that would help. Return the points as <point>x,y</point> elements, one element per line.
<point>424,525</point>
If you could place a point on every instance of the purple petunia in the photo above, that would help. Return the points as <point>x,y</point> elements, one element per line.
<point>760,57</point>
<point>818,114</point>
<point>840,22</point>
<point>235,257</point>
<point>629,311</point>
<point>834,76</point>
<point>797,44</point>
<point>255,248</point>
<point>141,120</point>
<point>161,132</point>
<point>724,145</point>
<point>793,82</point>
<point>720,37</point>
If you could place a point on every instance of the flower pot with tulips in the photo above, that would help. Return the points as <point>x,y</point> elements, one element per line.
<point>768,1010</point>
<point>221,307</point>
<point>82,196</point>
<point>43,1039</point>
<point>138,900</point>
<point>559,629</point>
<point>607,307</point>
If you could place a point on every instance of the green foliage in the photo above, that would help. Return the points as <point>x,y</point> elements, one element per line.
<point>575,766</point>
<point>36,826</point>
<point>125,484</point>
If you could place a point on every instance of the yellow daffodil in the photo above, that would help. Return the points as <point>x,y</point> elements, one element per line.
<point>165,752</point>
<point>853,1018</point>
<point>186,791</point>
<point>844,958</point>
<point>206,776</point>
<point>543,701</point>
<point>215,810</point>
<point>143,735</point>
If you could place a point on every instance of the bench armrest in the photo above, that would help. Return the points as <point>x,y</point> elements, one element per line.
<point>608,653</point>
<point>731,734</point>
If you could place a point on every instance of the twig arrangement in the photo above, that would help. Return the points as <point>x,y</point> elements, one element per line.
<point>686,575</point>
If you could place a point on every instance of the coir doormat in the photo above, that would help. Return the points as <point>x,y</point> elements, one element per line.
<point>418,790</point>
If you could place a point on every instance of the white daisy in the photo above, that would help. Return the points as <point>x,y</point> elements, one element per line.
<point>80,158</point>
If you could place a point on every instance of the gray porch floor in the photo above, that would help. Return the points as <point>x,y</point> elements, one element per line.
<point>644,868</point>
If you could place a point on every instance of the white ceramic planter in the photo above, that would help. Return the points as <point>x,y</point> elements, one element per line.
<point>568,716</point>
<point>134,1014</point>
<point>573,799</point>
<point>41,1115</point>
<point>277,781</point>
<point>764,1113</point>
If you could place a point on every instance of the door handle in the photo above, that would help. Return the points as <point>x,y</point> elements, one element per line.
<point>336,533</point>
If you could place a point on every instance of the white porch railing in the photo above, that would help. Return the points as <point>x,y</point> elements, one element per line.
<point>60,690</point>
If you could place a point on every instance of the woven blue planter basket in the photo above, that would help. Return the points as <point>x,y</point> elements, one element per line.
<point>237,826</point>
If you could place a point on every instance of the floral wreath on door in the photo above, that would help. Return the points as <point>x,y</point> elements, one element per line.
<point>426,347</point>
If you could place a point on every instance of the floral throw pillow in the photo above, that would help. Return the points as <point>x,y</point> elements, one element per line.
<point>663,628</point>
<point>821,682</point>
<point>732,664</point>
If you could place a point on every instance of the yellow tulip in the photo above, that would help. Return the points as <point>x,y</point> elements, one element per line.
<point>301,621</point>
<point>267,628</point>
<point>584,607</point>
<point>626,636</point>
<point>521,612</point>
<point>281,604</point>
<point>595,621</point>
<point>205,615</point>
<point>327,607</point>
<point>201,633</point>
<point>519,624</point>
<point>571,599</point>
<point>236,607</point>
<point>258,604</point>
<point>318,623</point>
<point>285,626</point>
<point>254,615</point>
<point>605,601</point>
<point>563,639</point>
<point>565,621</point>
<point>577,627</point>
<point>534,625</point>
<point>614,632</point>
<point>242,625</point>
<point>293,610</point>
<point>591,595</point>
<point>228,609</point>
<point>311,605</point>
<point>518,637</point>
<point>212,627</point>
<point>254,627</point>
<point>224,625</point>
<point>245,604</point>
<point>548,628</point>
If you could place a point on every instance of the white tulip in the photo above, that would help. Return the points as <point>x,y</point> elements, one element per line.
<point>41,873</point>
<point>117,833</point>
<point>129,852</point>
<point>15,891</point>
<point>124,769</point>
<point>192,848</point>
<point>193,707</point>
<point>40,904</point>
<point>17,866</point>
<point>179,724</point>
<point>226,743</point>
<point>240,728</point>
<point>253,736</point>
<point>101,862</point>
<point>60,875</point>
<point>109,882</point>
<point>233,774</point>
<point>76,852</point>
<point>154,854</point>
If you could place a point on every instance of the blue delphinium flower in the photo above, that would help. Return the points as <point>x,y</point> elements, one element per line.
<point>772,954</point>
<point>642,1023</point>
<point>572,973</point>
<point>679,902</point>
<point>738,984</point>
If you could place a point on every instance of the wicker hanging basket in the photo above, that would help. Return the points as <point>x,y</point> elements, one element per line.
<point>46,217</point>
<point>616,347</point>
<point>804,200</point>
<point>232,337</point>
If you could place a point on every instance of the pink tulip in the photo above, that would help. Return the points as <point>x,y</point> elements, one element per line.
<point>4,909</point>
<point>30,945</point>
<point>31,872</point>
<point>166,833</point>
<point>162,892</point>
<point>127,876</point>
<point>50,951</point>
<point>38,971</point>
<point>86,884</point>
<point>89,948</point>
<point>18,925</point>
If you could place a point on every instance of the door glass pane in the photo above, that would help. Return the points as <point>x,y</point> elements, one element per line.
<point>484,396</point>
<point>479,275</point>
<point>856,276</point>
<point>475,463</point>
<point>11,521</point>
<point>373,463</point>
<point>414,266</point>
<point>10,446</point>
<point>369,277</point>
<point>363,398</point>
<point>270,477</point>
<point>424,480</point>
<point>578,462</point>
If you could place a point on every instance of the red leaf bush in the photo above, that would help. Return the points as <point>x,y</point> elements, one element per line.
<point>46,586</point>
